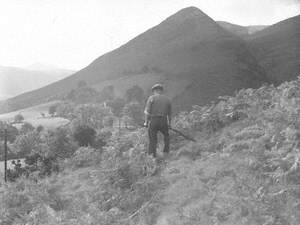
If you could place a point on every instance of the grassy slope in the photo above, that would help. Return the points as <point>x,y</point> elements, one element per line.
<point>244,173</point>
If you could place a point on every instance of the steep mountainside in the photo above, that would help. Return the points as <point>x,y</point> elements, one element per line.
<point>188,48</point>
<point>238,30</point>
<point>278,49</point>
<point>15,81</point>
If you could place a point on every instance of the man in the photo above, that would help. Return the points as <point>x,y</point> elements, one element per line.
<point>158,118</point>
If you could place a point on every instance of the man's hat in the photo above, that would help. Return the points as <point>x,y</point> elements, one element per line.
<point>157,86</point>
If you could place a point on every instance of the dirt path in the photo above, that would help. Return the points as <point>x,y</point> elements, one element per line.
<point>195,188</point>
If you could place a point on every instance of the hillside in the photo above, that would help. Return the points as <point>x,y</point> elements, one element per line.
<point>15,81</point>
<point>241,31</point>
<point>243,169</point>
<point>277,48</point>
<point>188,48</point>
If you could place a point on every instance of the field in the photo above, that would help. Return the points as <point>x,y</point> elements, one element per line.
<point>33,115</point>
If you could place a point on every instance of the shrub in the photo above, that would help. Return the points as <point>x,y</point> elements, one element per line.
<point>26,127</point>
<point>65,110</point>
<point>82,94</point>
<point>106,94</point>
<point>60,143</point>
<point>42,151</point>
<point>28,142</point>
<point>52,110</point>
<point>39,128</point>
<point>84,135</point>
<point>28,202</point>
<point>12,132</point>
<point>18,171</point>
<point>108,121</point>
<point>86,156</point>
<point>117,106</point>
<point>134,111</point>
<point>91,115</point>
<point>135,93</point>
<point>19,118</point>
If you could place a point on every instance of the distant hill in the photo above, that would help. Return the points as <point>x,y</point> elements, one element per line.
<point>37,66</point>
<point>241,31</point>
<point>255,28</point>
<point>277,48</point>
<point>188,50</point>
<point>15,81</point>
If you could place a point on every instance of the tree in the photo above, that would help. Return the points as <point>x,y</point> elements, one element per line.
<point>117,106</point>
<point>28,142</point>
<point>83,94</point>
<point>42,159</point>
<point>52,110</point>
<point>91,115</point>
<point>84,135</point>
<point>42,152</point>
<point>134,111</point>
<point>12,132</point>
<point>11,154</point>
<point>65,110</point>
<point>136,93</point>
<point>18,118</point>
<point>60,143</point>
<point>26,127</point>
<point>40,128</point>
<point>106,94</point>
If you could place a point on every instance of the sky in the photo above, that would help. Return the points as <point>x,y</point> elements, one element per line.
<point>72,33</point>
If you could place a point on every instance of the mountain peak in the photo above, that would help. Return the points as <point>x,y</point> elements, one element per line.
<point>189,12</point>
<point>190,16</point>
<point>191,9</point>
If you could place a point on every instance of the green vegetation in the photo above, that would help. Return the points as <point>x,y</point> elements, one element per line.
<point>12,132</point>
<point>84,135</point>
<point>243,169</point>
<point>19,118</point>
<point>52,110</point>
<point>135,93</point>
<point>26,127</point>
<point>133,113</point>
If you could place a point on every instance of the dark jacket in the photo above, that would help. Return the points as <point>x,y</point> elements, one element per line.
<point>158,105</point>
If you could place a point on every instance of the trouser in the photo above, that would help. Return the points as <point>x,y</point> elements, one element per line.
<point>158,123</point>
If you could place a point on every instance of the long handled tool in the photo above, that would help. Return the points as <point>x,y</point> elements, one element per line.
<point>182,134</point>
<point>178,132</point>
